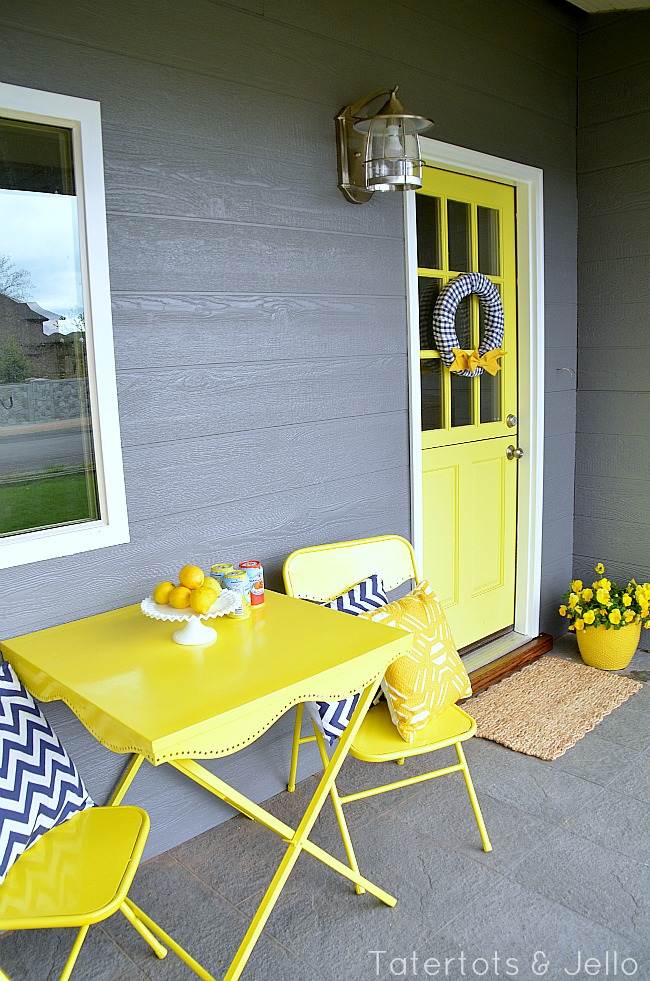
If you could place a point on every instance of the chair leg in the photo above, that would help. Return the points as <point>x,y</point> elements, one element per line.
<point>338,811</point>
<point>74,953</point>
<point>180,952</point>
<point>144,932</point>
<point>473,799</point>
<point>295,748</point>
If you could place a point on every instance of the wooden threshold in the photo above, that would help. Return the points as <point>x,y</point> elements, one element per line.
<point>498,670</point>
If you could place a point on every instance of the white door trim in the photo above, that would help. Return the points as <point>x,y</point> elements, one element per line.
<point>528,184</point>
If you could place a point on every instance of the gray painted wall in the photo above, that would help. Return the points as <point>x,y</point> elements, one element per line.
<point>237,268</point>
<point>612,500</point>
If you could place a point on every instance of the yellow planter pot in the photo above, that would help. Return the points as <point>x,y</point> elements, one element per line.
<point>610,650</point>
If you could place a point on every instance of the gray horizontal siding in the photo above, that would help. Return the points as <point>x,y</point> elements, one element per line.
<point>158,330</point>
<point>612,501</point>
<point>615,93</point>
<point>614,143</point>
<point>613,45</point>
<point>628,313</point>
<point>160,405</point>
<point>259,319</point>
<point>149,253</point>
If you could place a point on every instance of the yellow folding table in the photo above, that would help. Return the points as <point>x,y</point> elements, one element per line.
<point>138,692</point>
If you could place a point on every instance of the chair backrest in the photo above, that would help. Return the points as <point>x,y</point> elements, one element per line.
<point>321,572</point>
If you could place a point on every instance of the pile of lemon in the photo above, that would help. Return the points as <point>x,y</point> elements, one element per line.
<point>194,591</point>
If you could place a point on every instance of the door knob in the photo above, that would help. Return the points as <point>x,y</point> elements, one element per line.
<point>511,421</point>
<point>514,452</point>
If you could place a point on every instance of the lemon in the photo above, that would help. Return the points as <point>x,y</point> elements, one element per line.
<point>162,591</point>
<point>179,598</point>
<point>213,583</point>
<point>201,599</point>
<point>191,576</point>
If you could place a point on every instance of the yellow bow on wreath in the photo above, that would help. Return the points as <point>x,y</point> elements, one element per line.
<point>471,360</point>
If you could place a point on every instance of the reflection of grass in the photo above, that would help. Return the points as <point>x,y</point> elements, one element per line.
<point>39,502</point>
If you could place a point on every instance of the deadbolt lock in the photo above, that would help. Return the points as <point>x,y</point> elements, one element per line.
<point>514,452</point>
<point>511,420</point>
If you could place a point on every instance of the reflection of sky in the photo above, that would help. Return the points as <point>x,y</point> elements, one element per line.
<point>39,233</point>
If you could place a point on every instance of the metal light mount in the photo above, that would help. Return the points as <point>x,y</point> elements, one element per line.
<point>380,151</point>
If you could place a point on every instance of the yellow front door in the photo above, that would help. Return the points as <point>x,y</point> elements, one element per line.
<point>466,224</point>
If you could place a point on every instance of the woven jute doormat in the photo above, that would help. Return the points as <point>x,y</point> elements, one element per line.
<point>547,707</point>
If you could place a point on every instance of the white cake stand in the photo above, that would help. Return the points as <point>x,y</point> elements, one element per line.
<point>195,633</point>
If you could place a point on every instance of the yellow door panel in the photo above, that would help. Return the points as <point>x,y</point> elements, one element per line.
<point>466,224</point>
<point>486,479</point>
<point>470,495</point>
<point>442,485</point>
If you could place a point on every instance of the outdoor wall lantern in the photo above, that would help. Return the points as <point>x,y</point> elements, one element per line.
<point>379,152</point>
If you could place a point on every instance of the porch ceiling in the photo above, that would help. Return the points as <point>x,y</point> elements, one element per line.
<point>603,6</point>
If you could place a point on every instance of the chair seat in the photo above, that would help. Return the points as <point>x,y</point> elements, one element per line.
<point>379,741</point>
<point>77,873</point>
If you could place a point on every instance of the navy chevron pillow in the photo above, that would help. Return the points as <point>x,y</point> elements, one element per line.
<point>366,596</point>
<point>39,784</point>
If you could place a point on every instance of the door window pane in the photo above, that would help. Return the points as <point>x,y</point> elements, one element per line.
<point>428,290</point>
<point>461,400</point>
<point>488,241</point>
<point>431,388</point>
<point>458,222</point>
<point>47,467</point>
<point>490,397</point>
<point>490,393</point>
<point>427,211</point>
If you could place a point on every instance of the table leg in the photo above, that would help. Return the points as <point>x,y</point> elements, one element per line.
<point>338,808</point>
<point>300,837</point>
<point>226,793</point>
<point>125,781</point>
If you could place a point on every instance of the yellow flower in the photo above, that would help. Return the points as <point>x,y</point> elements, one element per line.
<point>562,610</point>
<point>589,617</point>
<point>646,625</point>
<point>599,568</point>
<point>615,617</point>
<point>580,624</point>
<point>602,595</point>
<point>628,616</point>
<point>640,595</point>
<point>573,599</point>
<point>605,583</point>
<point>627,599</point>
<point>576,585</point>
<point>587,594</point>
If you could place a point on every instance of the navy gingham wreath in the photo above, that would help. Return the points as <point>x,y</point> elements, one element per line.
<point>444,317</point>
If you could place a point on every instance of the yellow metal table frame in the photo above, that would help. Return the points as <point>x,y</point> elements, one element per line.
<point>239,688</point>
<point>297,839</point>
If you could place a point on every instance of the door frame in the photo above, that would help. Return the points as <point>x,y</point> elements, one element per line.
<point>528,184</point>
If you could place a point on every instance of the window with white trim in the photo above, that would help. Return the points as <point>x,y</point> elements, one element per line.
<point>61,477</point>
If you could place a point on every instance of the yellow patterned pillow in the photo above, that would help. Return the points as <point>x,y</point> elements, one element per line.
<point>431,676</point>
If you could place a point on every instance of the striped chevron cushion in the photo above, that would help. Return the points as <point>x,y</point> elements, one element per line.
<point>365,597</point>
<point>39,784</point>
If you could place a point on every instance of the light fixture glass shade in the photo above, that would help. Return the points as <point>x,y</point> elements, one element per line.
<point>392,159</point>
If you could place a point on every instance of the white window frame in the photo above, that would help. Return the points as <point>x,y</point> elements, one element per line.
<point>528,183</point>
<point>83,118</point>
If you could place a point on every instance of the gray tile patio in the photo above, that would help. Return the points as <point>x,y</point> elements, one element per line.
<point>569,878</point>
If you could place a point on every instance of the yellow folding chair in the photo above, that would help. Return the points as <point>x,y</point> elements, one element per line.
<point>79,873</point>
<point>322,572</point>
